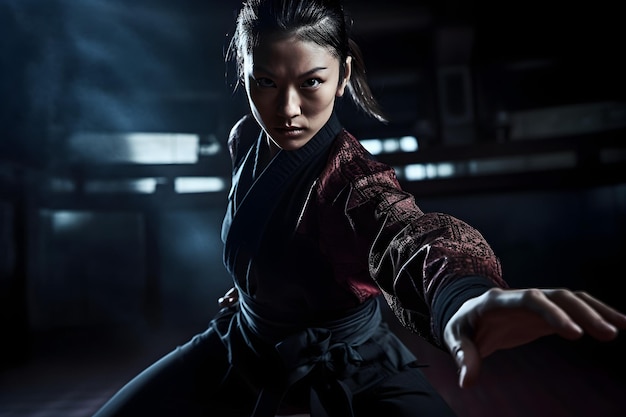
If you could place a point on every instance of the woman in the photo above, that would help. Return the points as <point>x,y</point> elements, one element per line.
<point>315,231</point>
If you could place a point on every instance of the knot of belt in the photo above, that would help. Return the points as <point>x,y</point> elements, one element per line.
<point>311,351</point>
<point>329,353</point>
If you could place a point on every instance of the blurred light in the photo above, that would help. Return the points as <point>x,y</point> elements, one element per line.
<point>139,147</point>
<point>65,220</point>
<point>199,184</point>
<point>445,169</point>
<point>417,172</point>
<point>414,172</point>
<point>409,144</point>
<point>140,186</point>
<point>374,146</point>
<point>163,148</point>
<point>391,145</point>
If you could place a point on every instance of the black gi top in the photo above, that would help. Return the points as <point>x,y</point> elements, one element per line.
<point>312,237</point>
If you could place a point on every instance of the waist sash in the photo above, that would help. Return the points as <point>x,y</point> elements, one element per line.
<point>341,357</point>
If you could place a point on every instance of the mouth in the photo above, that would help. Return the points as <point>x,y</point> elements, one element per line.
<point>291,131</point>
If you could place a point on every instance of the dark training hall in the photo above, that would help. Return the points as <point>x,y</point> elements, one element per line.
<point>115,176</point>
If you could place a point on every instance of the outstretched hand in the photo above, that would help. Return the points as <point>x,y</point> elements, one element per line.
<point>506,318</point>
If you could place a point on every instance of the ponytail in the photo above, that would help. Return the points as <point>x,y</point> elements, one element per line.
<point>358,86</point>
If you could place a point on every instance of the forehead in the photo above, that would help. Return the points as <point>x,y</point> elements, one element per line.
<point>276,50</point>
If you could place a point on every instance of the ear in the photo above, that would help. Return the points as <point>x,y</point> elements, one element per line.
<point>341,88</point>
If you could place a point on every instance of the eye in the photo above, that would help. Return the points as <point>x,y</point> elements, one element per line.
<point>264,82</point>
<point>312,83</point>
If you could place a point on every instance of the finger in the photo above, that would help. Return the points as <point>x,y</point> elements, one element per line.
<point>542,302</point>
<point>593,316</point>
<point>468,361</point>
<point>610,314</point>
<point>463,350</point>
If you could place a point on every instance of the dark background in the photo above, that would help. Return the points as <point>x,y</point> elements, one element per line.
<point>473,81</point>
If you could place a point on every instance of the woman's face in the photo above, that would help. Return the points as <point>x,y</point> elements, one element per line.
<point>291,86</point>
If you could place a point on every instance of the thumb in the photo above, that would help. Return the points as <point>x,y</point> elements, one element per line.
<point>468,362</point>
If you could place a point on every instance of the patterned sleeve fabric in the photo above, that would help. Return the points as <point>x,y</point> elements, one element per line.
<point>426,264</point>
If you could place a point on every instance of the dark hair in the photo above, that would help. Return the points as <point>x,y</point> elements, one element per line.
<point>320,21</point>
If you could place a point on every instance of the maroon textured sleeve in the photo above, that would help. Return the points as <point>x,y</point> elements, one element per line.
<point>412,255</point>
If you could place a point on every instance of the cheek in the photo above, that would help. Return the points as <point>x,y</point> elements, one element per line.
<point>324,100</point>
<point>327,101</point>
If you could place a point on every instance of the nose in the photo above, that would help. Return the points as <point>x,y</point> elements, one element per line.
<point>289,103</point>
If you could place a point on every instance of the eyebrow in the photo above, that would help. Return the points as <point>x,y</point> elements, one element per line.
<point>305,74</point>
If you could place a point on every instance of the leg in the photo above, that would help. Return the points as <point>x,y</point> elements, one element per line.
<point>406,394</point>
<point>186,382</point>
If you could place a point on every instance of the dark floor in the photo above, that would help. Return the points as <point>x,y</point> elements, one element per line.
<point>71,373</point>
<point>550,377</point>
